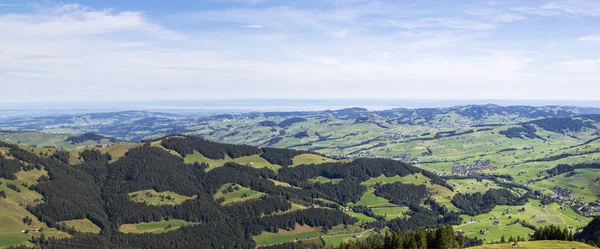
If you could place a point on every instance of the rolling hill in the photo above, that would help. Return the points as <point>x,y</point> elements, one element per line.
<point>217,195</point>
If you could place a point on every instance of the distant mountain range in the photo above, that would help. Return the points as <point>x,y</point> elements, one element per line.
<point>139,125</point>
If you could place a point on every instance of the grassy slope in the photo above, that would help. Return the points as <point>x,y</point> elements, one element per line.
<point>322,179</point>
<point>12,212</point>
<point>30,177</point>
<point>236,195</point>
<point>154,227</point>
<point>254,161</point>
<point>549,244</point>
<point>534,212</point>
<point>310,159</point>
<point>299,232</point>
<point>82,225</point>
<point>154,197</point>
<point>45,139</point>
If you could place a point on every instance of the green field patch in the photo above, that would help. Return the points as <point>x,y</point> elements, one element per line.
<point>391,213</point>
<point>361,217</point>
<point>254,161</point>
<point>583,181</point>
<point>30,177</point>
<point>336,240</point>
<point>283,184</point>
<point>24,196</point>
<point>196,157</point>
<point>494,232</point>
<point>295,207</point>
<point>155,227</point>
<point>118,150</point>
<point>534,213</point>
<point>440,194</point>
<point>310,159</point>
<point>151,197</point>
<point>298,233</point>
<point>469,186</point>
<point>5,151</point>
<point>82,225</point>
<point>554,244</point>
<point>13,231</point>
<point>369,199</point>
<point>322,179</point>
<point>12,239</point>
<point>232,193</point>
<point>416,179</point>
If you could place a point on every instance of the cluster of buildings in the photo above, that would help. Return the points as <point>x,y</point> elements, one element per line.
<point>406,158</point>
<point>473,169</point>
<point>564,197</point>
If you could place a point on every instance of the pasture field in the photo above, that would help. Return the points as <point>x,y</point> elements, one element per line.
<point>257,162</point>
<point>254,161</point>
<point>82,225</point>
<point>4,151</point>
<point>361,217</point>
<point>369,199</point>
<point>155,227</point>
<point>118,150</point>
<point>283,236</point>
<point>295,207</point>
<point>392,212</point>
<point>322,179</point>
<point>311,159</point>
<point>470,186</point>
<point>39,140</point>
<point>440,194</point>
<point>199,158</point>
<point>416,179</point>
<point>237,194</point>
<point>279,183</point>
<point>534,214</point>
<point>585,183</point>
<point>151,197</point>
<point>547,244</point>
<point>335,240</point>
<point>13,231</point>
<point>30,177</point>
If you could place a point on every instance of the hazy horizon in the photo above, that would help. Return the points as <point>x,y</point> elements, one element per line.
<point>265,105</point>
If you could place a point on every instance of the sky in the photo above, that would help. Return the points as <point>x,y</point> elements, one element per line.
<point>179,50</point>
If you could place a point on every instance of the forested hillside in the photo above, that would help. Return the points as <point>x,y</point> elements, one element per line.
<point>98,190</point>
<point>486,182</point>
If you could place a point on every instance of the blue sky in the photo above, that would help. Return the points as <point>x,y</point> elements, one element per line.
<point>140,50</point>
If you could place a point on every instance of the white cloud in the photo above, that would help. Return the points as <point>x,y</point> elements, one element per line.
<point>591,38</point>
<point>253,26</point>
<point>74,19</point>
<point>495,15</point>
<point>564,7</point>
<point>508,18</point>
<point>454,23</point>
<point>351,51</point>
